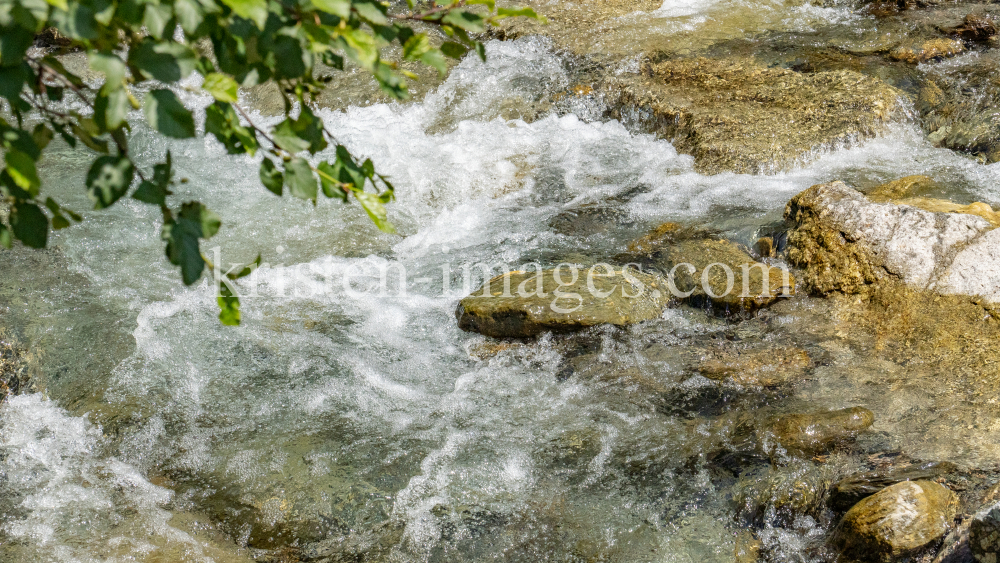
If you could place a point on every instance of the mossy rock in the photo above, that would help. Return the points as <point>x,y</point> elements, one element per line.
<point>511,305</point>
<point>736,115</point>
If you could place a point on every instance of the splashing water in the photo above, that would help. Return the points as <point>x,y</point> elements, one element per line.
<point>341,423</point>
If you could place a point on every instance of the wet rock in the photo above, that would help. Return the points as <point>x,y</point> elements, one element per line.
<point>984,534</point>
<point>845,242</point>
<point>755,368</point>
<point>815,433</point>
<point>587,220</point>
<point>897,521</point>
<point>907,190</point>
<point>764,247</point>
<point>900,188</point>
<point>737,115</point>
<point>485,350</point>
<point>924,51</point>
<point>522,304</point>
<point>780,495</point>
<point>710,269</point>
<point>746,548</point>
<point>15,376</point>
<point>976,28</point>
<point>849,491</point>
<point>721,272</point>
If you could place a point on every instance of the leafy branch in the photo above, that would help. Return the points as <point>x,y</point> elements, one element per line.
<point>134,44</point>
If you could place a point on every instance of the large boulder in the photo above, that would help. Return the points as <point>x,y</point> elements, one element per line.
<point>737,115</point>
<point>896,521</point>
<point>845,242</point>
<point>522,304</point>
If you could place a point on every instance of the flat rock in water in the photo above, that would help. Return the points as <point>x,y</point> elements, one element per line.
<point>756,368</point>
<point>511,305</point>
<point>736,115</point>
<point>813,433</point>
<point>711,269</point>
<point>897,521</point>
<point>845,242</point>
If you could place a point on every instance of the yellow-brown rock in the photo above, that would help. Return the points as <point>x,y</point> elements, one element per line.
<point>897,521</point>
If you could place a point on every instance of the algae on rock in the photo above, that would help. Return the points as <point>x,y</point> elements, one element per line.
<point>522,304</point>
<point>736,115</point>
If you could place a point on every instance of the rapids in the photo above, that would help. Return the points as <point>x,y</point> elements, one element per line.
<point>342,423</point>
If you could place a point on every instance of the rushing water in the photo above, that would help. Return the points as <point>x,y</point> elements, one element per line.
<point>343,423</point>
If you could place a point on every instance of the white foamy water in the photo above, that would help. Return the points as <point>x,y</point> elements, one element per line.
<point>346,419</point>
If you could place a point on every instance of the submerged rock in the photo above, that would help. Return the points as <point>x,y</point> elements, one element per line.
<point>927,50</point>
<point>522,304</point>
<point>845,242</point>
<point>737,115</point>
<point>984,534</point>
<point>897,521</point>
<point>815,433</point>
<point>757,368</point>
<point>15,377</point>
<point>976,28</point>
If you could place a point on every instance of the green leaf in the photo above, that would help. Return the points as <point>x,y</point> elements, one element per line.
<point>189,15</point>
<point>42,136</point>
<point>14,43</point>
<point>341,8</point>
<point>516,12</point>
<point>271,177</point>
<point>13,79</point>
<point>6,240</point>
<point>300,179</point>
<point>416,46</point>
<point>435,58</point>
<point>156,19</point>
<point>155,191</point>
<point>454,50</point>
<point>246,271</point>
<point>329,182</point>
<point>21,168</point>
<point>491,4</point>
<point>165,113</point>
<point>371,12</point>
<point>473,23</point>
<point>229,305</point>
<point>309,128</point>
<point>112,67</point>
<point>111,108</point>
<point>360,47</point>
<point>182,235</point>
<point>151,193</point>
<point>163,61</point>
<point>376,211</point>
<point>29,224</point>
<point>221,121</point>
<point>108,180</point>
<point>253,10</point>
<point>61,4</point>
<point>288,139</point>
<point>221,87</point>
